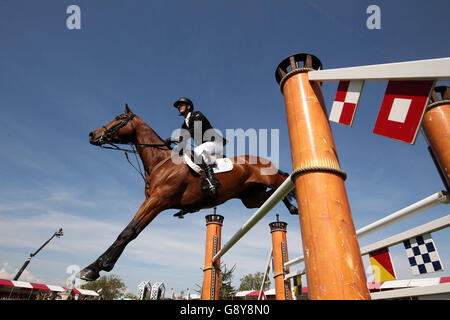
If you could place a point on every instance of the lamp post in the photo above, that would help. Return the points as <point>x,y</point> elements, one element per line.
<point>57,234</point>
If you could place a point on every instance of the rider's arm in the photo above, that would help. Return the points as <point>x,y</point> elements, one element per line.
<point>173,139</point>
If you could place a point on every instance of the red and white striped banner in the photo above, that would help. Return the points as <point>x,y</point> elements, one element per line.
<point>44,287</point>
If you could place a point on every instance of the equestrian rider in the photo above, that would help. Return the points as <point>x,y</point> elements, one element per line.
<point>207,141</point>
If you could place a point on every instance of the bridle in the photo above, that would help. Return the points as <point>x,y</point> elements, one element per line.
<point>108,133</point>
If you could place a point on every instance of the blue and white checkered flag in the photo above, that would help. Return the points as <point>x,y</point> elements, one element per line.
<point>422,255</point>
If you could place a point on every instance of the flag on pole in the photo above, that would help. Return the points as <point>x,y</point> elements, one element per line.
<point>297,285</point>
<point>346,101</point>
<point>267,283</point>
<point>273,270</point>
<point>422,255</point>
<point>382,267</point>
<point>402,109</point>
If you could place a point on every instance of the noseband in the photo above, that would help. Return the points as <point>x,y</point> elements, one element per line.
<point>109,132</point>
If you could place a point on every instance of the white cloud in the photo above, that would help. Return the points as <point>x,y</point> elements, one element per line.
<point>7,272</point>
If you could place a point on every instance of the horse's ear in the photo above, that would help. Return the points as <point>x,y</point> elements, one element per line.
<point>127,110</point>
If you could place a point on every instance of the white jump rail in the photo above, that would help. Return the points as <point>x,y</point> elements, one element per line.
<point>429,227</point>
<point>420,206</point>
<point>438,289</point>
<point>436,69</point>
<point>273,200</point>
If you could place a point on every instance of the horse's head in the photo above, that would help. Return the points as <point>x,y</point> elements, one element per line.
<point>121,130</point>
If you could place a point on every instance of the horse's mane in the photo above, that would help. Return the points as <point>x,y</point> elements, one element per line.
<point>151,130</point>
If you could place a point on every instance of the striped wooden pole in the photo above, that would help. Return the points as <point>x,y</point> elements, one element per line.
<point>333,261</point>
<point>280,256</point>
<point>211,270</point>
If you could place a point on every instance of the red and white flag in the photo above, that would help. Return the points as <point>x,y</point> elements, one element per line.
<point>346,101</point>
<point>402,109</point>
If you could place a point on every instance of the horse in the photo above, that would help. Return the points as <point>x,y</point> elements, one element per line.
<point>174,185</point>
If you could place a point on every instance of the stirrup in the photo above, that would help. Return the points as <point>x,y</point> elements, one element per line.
<point>212,183</point>
<point>209,187</point>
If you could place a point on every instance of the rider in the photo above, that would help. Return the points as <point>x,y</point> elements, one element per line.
<point>207,141</point>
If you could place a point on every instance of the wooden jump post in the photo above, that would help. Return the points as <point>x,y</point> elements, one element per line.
<point>335,270</point>
<point>280,257</point>
<point>212,255</point>
<point>211,270</point>
<point>436,129</point>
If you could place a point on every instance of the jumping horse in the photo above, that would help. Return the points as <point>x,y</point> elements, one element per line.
<point>174,185</point>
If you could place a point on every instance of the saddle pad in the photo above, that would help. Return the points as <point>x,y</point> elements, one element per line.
<point>220,165</point>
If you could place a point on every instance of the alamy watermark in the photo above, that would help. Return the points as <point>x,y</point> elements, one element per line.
<point>262,145</point>
<point>73,22</point>
<point>374,20</point>
<point>72,281</point>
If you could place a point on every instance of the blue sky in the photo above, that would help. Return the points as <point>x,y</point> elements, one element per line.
<point>57,85</point>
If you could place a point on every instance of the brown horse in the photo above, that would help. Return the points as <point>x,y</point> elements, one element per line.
<point>173,185</point>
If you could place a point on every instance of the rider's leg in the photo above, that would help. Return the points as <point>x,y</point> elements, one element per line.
<point>203,153</point>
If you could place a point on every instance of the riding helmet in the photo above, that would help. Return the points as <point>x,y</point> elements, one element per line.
<point>183,100</point>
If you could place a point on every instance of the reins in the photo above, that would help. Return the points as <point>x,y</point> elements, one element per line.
<point>133,150</point>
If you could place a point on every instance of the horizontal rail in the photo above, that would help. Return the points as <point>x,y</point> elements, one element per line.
<point>429,227</point>
<point>443,288</point>
<point>276,197</point>
<point>438,69</point>
<point>417,207</point>
<point>294,274</point>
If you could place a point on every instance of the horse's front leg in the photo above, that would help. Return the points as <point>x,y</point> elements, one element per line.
<point>146,213</point>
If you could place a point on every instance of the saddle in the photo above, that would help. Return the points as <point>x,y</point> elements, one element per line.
<point>220,164</point>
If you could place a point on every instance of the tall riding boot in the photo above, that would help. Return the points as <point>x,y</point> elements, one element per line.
<point>207,166</point>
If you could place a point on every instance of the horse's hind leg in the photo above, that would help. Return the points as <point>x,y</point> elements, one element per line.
<point>292,209</point>
<point>146,213</point>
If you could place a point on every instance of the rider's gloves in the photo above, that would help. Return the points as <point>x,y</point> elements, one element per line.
<point>168,141</point>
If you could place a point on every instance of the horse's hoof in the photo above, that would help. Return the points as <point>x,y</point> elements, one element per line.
<point>88,274</point>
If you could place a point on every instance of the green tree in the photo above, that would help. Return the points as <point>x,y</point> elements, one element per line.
<point>111,285</point>
<point>251,281</point>
<point>131,296</point>
<point>226,291</point>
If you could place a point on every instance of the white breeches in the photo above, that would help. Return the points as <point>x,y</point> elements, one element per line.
<point>212,148</point>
